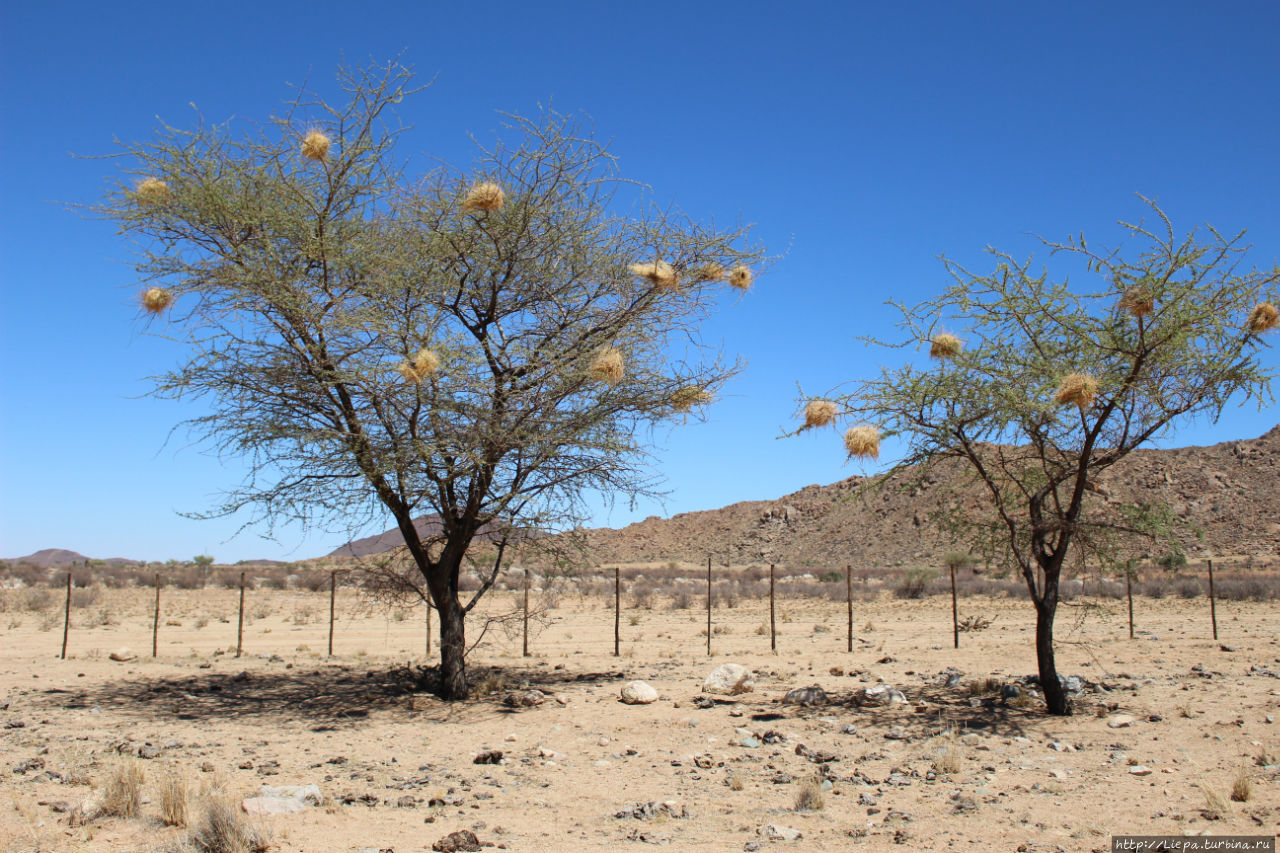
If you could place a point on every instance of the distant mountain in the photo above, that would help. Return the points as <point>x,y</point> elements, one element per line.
<point>386,541</point>
<point>59,557</point>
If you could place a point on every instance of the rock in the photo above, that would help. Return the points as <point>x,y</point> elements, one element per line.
<point>808,697</point>
<point>122,655</point>
<point>493,756</point>
<point>286,799</point>
<point>1074,685</point>
<point>407,802</point>
<point>1120,721</point>
<point>639,693</point>
<point>897,733</point>
<point>880,695</point>
<point>31,764</point>
<point>524,699</point>
<point>457,842</point>
<point>729,679</point>
<point>777,832</point>
<point>15,724</point>
<point>653,809</point>
<point>848,729</point>
<point>1139,770</point>
<point>704,702</point>
<point>148,750</point>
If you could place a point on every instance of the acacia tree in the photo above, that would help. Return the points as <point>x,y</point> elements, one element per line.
<point>1039,388</point>
<point>484,346</point>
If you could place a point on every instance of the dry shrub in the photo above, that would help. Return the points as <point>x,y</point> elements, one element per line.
<point>685,399</point>
<point>315,146</point>
<point>736,782</point>
<point>658,273</point>
<point>809,796</point>
<point>173,798</point>
<point>915,582</point>
<point>608,365</point>
<point>152,191</point>
<point>225,830</point>
<point>421,367</point>
<point>155,300</point>
<point>1263,318</point>
<point>740,277</point>
<point>122,794</point>
<point>486,196</point>
<point>945,345</point>
<point>983,686</point>
<point>1242,786</point>
<point>1078,388</point>
<point>820,413</point>
<point>1137,301</point>
<point>950,758</point>
<point>1215,805</point>
<point>862,441</point>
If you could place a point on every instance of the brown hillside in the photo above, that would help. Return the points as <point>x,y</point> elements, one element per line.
<point>1229,491</point>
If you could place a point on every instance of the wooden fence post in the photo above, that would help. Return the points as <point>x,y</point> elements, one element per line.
<point>773,630</point>
<point>848,598</point>
<point>1128,588</point>
<point>155,625</point>
<point>66,622</point>
<point>1213,607</point>
<point>617,609</point>
<point>708,605</point>
<point>240,623</point>
<point>526,612</point>
<point>955,612</point>
<point>427,600</point>
<point>333,595</point>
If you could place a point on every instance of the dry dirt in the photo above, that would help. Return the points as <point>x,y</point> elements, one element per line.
<point>381,753</point>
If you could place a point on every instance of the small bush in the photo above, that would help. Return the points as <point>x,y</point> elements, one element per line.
<point>1188,588</point>
<point>809,796</point>
<point>681,600</point>
<point>735,781</point>
<point>224,830</point>
<point>1242,786</point>
<point>915,581</point>
<point>173,798</point>
<point>122,794</point>
<point>950,759</point>
<point>833,576</point>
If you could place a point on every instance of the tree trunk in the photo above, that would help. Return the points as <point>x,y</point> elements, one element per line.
<point>453,647</point>
<point>1055,697</point>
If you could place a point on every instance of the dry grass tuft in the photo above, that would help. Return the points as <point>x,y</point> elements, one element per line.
<point>741,277</point>
<point>820,413</point>
<point>710,272</point>
<point>950,757</point>
<point>945,345</point>
<point>735,781</point>
<point>1215,805</point>
<point>486,196</point>
<point>608,365</point>
<point>685,399</point>
<point>155,300</point>
<point>1242,786</point>
<point>421,367</point>
<point>152,191</point>
<point>1263,318</point>
<point>809,796</point>
<point>658,273</point>
<point>225,830</point>
<point>862,441</point>
<point>122,794</point>
<point>1078,388</point>
<point>173,798</point>
<point>1137,301</point>
<point>315,146</point>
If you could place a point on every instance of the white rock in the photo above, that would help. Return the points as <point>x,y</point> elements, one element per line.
<point>883,694</point>
<point>639,693</point>
<point>307,794</point>
<point>259,806</point>
<point>777,832</point>
<point>729,679</point>
<point>1139,770</point>
<point>122,654</point>
<point>1120,721</point>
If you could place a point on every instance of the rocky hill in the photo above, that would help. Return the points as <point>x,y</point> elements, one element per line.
<point>1229,491</point>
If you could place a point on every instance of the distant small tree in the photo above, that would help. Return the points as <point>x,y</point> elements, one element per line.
<point>480,347</point>
<point>1039,389</point>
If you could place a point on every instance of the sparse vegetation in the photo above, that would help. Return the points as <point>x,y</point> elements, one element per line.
<point>122,791</point>
<point>809,795</point>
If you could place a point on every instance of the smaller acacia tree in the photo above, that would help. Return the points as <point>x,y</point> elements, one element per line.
<point>1037,389</point>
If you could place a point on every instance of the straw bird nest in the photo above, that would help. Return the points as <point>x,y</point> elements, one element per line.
<point>710,272</point>
<point>156,299</point>
<point>1263,318</point>
<point>862,441</point>
<point>820,413</point>
<point>740,277</point>
<point>607,366</point>
<point>421,367</point>
<point>315,146</point>
<point>1137,301</point>
<point>685,399</point>
<point>152,191</point>
<point>486,196</point>
<point>1078,388</point>
<point>658,273</point>
<point>945,345</point>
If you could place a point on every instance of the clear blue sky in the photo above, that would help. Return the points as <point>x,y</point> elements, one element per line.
<point>865,139</point>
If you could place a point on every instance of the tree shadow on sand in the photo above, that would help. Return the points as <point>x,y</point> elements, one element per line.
<point>326,696</point>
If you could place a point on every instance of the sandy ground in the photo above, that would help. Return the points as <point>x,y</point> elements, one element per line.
<point>285,714</point>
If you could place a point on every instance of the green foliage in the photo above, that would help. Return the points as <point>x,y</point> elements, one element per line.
<point>915,581</point>
<point>1174,561</point>
<point>833,576</point>
<point>957,559</point>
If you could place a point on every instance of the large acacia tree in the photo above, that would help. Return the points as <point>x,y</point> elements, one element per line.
<point>484,345</point>
<point>1036,388</point>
